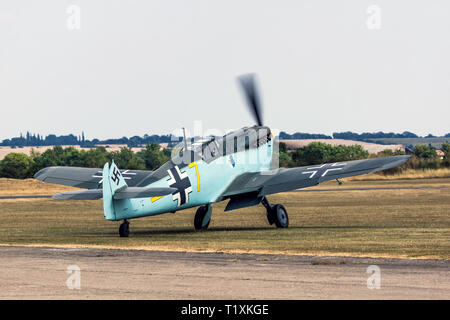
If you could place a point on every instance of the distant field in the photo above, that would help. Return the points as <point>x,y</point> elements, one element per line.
<point>380,223</point>
<point>435,142</point>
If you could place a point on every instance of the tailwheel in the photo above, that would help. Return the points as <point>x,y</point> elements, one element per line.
<point>203,217</point>
<point>276,214</point>
<point>124,229</point>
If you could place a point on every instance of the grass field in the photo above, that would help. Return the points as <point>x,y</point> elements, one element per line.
<point>407,174</point>
<point>413,223</point>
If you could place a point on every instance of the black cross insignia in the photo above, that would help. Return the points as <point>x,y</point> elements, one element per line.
<point>322,170</point>
<point>181,182</point>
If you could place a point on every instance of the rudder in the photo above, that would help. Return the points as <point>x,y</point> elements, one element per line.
<point>113,181</point>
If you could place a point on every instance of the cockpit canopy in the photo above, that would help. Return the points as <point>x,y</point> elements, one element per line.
<point>212,147</point>
<point>243,139</point>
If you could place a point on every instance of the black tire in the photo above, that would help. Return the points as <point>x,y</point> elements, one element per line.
<point>199,216</point>
<point>124,229</point>
<point>280,216</point>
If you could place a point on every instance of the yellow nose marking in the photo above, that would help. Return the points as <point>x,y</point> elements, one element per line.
<point>194,164</point>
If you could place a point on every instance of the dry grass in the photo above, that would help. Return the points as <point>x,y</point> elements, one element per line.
<point>407,174</point>
<point>29,187</point>
<point>378,223</point>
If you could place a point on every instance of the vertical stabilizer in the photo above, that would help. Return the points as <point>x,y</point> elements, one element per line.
<point>116,179</point>
<point>108,206</point>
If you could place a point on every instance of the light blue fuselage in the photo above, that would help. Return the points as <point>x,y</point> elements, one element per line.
<point>212,180</point>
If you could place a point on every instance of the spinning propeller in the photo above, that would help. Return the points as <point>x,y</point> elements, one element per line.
<point>248,85</point>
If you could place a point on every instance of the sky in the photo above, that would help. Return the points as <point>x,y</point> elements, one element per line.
<point>122,68</point>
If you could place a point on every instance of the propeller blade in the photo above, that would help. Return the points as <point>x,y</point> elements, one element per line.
<point>248,85</point>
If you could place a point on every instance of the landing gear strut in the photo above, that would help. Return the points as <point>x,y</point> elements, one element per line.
<point>124,229</point>
<point>203,217</point>
<point>276,213</point>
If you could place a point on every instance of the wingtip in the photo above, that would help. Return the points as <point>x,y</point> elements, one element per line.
<point>57,196</point>
<point>399,160</point>
<point>40,175</point>
<point>405,157</point>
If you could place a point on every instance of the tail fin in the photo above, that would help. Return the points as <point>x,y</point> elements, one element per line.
<point>117,181</point>
<point>113,182</point>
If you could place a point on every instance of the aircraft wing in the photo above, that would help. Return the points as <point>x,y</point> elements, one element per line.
<point>249,187</point>
<point>87,178</point>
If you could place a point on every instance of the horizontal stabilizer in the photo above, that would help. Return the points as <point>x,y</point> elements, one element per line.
<point>128,193</point>
<point>93,194</point>
<point>89,178</point>
<point>137,192</point>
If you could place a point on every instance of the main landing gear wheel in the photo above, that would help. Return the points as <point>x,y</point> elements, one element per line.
<point>276,214</point>
<point>202,217</point>
<point>124,229</point>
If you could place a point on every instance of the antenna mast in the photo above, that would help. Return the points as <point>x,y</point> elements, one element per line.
<point>184,139</point>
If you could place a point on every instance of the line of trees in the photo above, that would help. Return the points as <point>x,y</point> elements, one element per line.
<point>301,135</point>
<point>32,140</point>
<point>375,135</point>
<point>35,140</point>
<point>348,135</point>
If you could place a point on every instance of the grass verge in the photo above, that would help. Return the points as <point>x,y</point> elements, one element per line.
<point>373,223</point>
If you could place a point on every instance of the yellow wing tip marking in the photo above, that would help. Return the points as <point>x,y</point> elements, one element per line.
<point>156,198</point>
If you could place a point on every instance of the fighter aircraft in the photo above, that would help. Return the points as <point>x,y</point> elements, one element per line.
<point>237,167</point>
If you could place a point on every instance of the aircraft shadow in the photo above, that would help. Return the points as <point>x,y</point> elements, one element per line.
<point>191,230</point>
<point>221,229</point>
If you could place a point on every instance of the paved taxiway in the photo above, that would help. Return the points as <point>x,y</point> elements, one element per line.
<point>40,273</point>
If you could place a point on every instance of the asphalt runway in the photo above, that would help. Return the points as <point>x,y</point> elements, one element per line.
<point>41,273</point>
